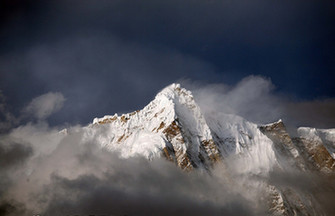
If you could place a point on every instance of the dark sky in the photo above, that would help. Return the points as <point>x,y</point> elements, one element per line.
<point>64,62</point>
<point>113,56</point>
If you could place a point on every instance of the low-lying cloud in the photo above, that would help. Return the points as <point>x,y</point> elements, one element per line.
<point>75,177</point>
<point>49,171</point>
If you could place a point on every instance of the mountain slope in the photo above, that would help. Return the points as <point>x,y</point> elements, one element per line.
<point>173,126</point>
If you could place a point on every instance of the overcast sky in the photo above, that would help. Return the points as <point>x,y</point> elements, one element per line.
<point>114,56</point>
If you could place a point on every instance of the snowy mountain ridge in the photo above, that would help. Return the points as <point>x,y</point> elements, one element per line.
<point>173,126</point>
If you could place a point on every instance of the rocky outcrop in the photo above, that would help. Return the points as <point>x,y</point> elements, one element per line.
<point>283,143</point>
<point>306,153</point>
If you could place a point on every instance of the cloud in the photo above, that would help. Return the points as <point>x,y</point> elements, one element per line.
<point>44,171</point>
<point>112,56</point>
<point>78,177</point>
<point>145,190</point>
<point>43,106</point>
<point>252,98</point>
<point>13,154</point>
<point>96,72</point>
<point>255,98</point>
<point>316,185</point>
<point>98,53</point>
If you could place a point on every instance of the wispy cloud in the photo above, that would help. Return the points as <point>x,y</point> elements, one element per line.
<point>43,106</point>
<point>255,98</point>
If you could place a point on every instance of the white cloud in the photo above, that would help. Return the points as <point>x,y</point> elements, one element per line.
<point>43,106</point>
<point>252,98</point>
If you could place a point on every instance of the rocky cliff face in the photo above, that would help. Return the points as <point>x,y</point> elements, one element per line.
<point>305,153</point>
<point>173,126</point>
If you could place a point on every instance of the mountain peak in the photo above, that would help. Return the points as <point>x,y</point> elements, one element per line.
<point>172,123</point>
<point>175,91</point>
<point>173,126</point>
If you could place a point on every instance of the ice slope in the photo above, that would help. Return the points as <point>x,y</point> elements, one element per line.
<point>237,136</point>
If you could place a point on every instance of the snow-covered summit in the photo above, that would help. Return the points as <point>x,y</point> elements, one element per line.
<point>173,126</point>
<point>164,105</point>
<point>174,91</point>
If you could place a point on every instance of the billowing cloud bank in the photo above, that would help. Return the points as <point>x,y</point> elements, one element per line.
<point>51,173</point>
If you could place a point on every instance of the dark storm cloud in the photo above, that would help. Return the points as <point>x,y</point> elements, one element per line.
<point>99,75</point>
<point>205,22</point>
<point>112,56</point>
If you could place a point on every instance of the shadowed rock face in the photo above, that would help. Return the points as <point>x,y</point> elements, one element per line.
<point>283,143</point>
<point>315,155</point>
<point>306,154</point>
<point>208,154</point>
<point>174,135</point>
